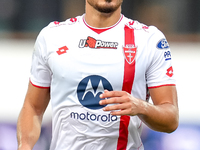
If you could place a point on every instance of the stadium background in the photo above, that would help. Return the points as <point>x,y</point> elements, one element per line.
<point>21,21</point>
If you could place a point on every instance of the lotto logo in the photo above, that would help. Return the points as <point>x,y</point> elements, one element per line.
<point>56,22</point>
<point>73,19</point>
<point>62,50</point>
<point>170,72</point>
<point>93,43</point>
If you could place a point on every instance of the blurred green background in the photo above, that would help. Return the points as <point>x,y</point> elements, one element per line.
<point>24,18</point>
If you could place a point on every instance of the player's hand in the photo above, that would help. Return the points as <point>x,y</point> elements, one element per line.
<point>124,103</point>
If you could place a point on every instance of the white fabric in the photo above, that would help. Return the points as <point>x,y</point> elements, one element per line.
<point>77,123</point>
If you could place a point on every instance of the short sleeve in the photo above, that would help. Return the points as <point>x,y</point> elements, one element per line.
<point>160,70</point>
<point>40,71</point>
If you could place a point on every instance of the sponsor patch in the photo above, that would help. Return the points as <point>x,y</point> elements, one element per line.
<point>163,44</point>
<point>167,55</point>
<point>93,117</point>
<point>62,50</point>
<point>88,92</point>
<point>96,44</point>
<point>170,72</point>
<point>90,88</point>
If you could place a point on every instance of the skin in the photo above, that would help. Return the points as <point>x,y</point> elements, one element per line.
<point>102,13</point>
<point>160,116</point>
<point>30,118</point>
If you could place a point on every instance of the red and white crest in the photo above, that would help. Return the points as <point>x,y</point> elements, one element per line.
<point>130,53</point>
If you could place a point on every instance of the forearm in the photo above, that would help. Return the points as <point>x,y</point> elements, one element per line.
<point>28,128</point>
<point>163,117</point>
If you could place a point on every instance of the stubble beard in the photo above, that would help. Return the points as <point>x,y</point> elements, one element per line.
<point>108,8</point>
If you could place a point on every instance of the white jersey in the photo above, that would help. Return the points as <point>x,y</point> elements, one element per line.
<point>78,62</point>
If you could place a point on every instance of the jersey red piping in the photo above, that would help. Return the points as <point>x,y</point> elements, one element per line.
<point>140,146</point>
<point>100,30</point>
<point>161,86</point>
<point>39,86</point>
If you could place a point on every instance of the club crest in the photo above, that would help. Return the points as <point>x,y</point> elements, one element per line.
<point>130,53</point>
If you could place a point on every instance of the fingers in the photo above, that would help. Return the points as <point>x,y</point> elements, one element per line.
<point>116,107</point>
<point>107,94</point>
<point>112,97</point>
<point>120,110</point>
<point>122,103</point>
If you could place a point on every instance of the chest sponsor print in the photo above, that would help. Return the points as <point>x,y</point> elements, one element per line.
<point>90,88</point>
<point>96,44</point>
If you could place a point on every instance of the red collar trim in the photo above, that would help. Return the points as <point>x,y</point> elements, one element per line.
<point>100,30</point>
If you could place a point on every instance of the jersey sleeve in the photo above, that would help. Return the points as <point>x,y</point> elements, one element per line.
<point>40,71</point>
<point>160,70</point>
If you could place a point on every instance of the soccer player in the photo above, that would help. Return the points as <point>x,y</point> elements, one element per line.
<point>99,70</point>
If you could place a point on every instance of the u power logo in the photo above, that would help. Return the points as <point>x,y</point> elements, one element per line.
<point>89,90</point>
<point>93,43</point>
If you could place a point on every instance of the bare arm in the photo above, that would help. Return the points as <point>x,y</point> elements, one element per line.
<point>161,116</point>
<point>30,118</point>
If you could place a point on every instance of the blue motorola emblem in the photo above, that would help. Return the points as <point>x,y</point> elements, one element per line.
<point>89,90</point>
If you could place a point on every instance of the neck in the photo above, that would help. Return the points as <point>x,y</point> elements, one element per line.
<point>97,19</point>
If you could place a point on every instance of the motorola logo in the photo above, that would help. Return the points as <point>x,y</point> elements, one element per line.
<point>90,88</point>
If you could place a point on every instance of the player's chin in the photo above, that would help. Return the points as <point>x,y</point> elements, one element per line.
<point>106,10</point>
<point>109,6</point>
